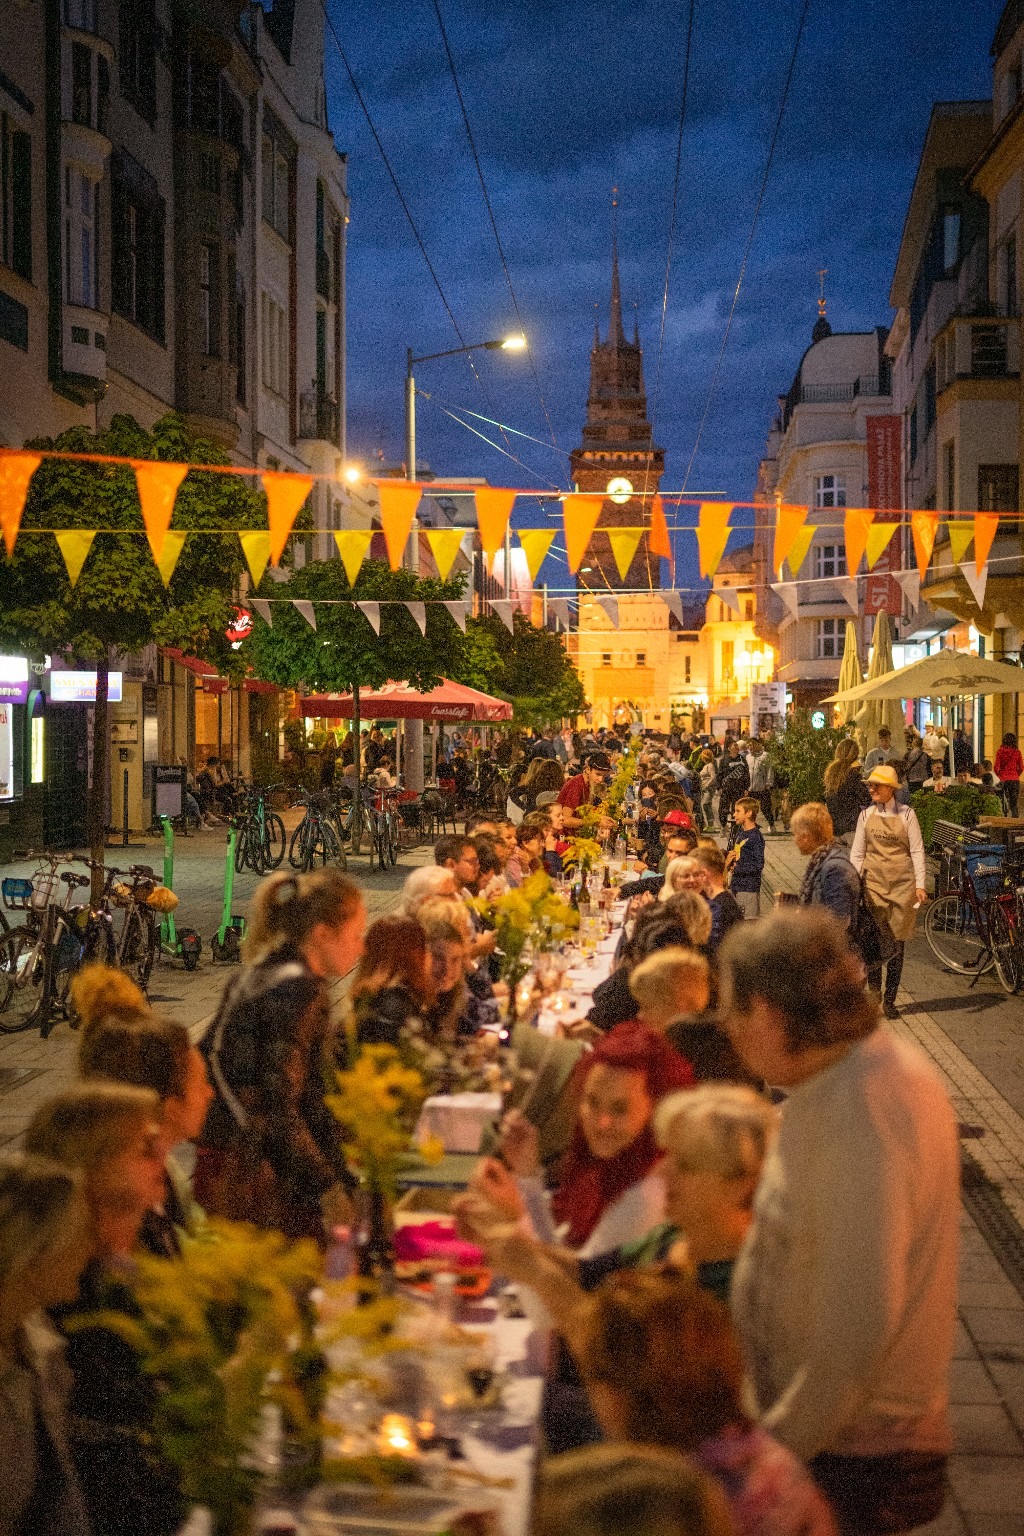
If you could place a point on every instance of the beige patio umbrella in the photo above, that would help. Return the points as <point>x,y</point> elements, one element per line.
<point>851,672</point>
<point>944,675</point>
<point>874,714</point>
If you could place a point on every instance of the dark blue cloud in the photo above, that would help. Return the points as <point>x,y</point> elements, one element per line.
<point>565,100</point>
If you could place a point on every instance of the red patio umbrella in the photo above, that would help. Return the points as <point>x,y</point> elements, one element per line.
<point>400,701</point>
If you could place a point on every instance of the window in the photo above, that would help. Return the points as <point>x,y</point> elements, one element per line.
<point>137,218</point>
<point>81,209</point>
<point>1008,275</point>
<point>929,398</point>
<point>137,55</point>
<point>828,639</point>
<point>829,561</point>
<point>641,658</point>
<point>913,435</point>
<point>274,343</point>
<point>950,240</point>
<point>209,299</point>
<point>278,160</point>
<point>998,487</point>
<point>240,352</point>
<point>686,669</point>
<point>728,657</point>
<point>80,14</point>
<point>951,476</point>
<point>606,658</point>
<point>16,195</point>
<point>321,354</point>
<point>81,84</point>
<point>830,490</point>
<point>748,608</point>
<point>209,172</point>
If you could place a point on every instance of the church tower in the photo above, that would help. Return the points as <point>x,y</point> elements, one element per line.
<point>617,457</point>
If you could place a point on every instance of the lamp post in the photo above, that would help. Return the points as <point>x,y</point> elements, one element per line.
<point>414,728</point>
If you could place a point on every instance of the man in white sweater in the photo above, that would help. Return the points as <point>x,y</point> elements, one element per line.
<point>845,1292</point>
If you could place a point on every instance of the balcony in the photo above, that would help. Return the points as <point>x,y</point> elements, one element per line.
<point>84,352</point>
<point>978,348</point>
<point>834,394</point>
<point>318,417</point>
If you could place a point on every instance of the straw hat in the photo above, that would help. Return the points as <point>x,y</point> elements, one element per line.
<point>884,774</point>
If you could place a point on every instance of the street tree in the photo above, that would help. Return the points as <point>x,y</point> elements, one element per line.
<point>534,672</point>
<point>119,603</point>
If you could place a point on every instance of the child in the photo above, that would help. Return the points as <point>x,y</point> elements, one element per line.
<point>748,857</point>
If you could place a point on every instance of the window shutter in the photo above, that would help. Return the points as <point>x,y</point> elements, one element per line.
<point>21,201</point>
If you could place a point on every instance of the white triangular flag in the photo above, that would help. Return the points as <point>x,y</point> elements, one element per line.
<point>910,582</point>
<point>674,603</point>
<point>502,608</point>
<point>788,593</point>
<point>1001,622</point>
<point>279,573</point>
<point>611,608</point>
<point>306,609</point>
<point>848,587</point>
<point>730,597</point>
<point>458,611</point>
<point>262,607</point>
<point>976,580</point>
<point>419,613</point>
<point>371,613</point>
<point>558,609</point>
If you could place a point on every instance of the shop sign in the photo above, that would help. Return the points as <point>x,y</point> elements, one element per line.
<point>240,627</point>
<point>80,687</point>
<point>14,684</point>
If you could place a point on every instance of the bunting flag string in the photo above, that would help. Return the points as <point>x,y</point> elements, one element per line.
<point>558,608</point>
<point>398,502</point>
<point>924,524</point>
<point>262,607</point>
<point>371,613</point>
<point>503,608</point>
<point>658,540</point>
<point>986,526</point>
<point>535,543</point>
<point>459,612</point>
<point>285,495</point>
<point>16,470</point>
<point>172,546</point>
<point>788,522</point>
<point>579,518</point>
<point>786,590</point>
<point>624,543</point>
<point>306,610</point>
<point>674,603</point>
<point>493,510</point>
<point>445,544</point>
<point>977,581</point>
<point>157,484</point>
<point>848,587</point>
<point>419,614</point>
<point>857,523</point>
<point>960,536</point>
<point>910,584</point>
<point>256,549</point>
<point>731,598</point>
<point>712,534</point>
<point>878,541</point>
<point>353,547</point>
<point>611,607</point>
<point>74,547</point>
<point>800,547</point>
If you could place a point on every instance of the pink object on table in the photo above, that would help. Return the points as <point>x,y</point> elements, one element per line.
<point>436,1240</point>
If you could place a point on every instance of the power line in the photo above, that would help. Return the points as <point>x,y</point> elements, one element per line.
<point>503,426</point>
<point>750,238</point>
<point>490,209</point>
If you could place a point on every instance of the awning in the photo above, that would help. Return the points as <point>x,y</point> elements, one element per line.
<point>399,701</point>
<point>206,672</point>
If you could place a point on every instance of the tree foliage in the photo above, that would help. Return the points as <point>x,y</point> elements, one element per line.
<point>801,753</point>
<point>533,672</point>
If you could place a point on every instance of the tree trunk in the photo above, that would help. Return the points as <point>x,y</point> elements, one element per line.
<point>357,754</point>
<point>100,778</point>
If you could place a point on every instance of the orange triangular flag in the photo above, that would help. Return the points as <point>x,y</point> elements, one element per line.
<point>788,522</point>
<point>712,534</point>
<point>16,470</point>
<point>799,547</point>
<point>624,543</point>
<point>398,502</point>
<point>579,516</point>
<point>856,525</point>
<point>75,546</point>
<point>960,536</point>
<point>445,544</point>
<point>285,495</point>
<point>256,549</point>
<point>493,510</point>
<point>535,544</point>
<point>879,539</point>
<point>173,544</point>
<point>353,547</point>
<point>658,541</point>
<point>924,524</point>
<point>986,526</point>
<point>158,485</point>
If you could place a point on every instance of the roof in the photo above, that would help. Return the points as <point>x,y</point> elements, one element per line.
<point>1009,21</point>
<point>741,559</point>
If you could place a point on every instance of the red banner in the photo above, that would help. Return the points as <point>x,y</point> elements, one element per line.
<point>882,592</point>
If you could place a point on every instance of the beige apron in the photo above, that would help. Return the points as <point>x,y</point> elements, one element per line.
<point>889,878</point>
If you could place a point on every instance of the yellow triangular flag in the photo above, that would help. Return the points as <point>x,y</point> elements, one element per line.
<point>445,544</point>
<point>960,536</point>
<point>16,470</point>
<point>535,544</point>
<point>174,543</point>
<point>353,547</point>
<point>285,495</point>
<point>75,546</point>
<point>158,485</point>
<point>398,502</point>
<point>986,526</point>
<point>579,518</point>
<point>256,549</point>
<point>788,522</point>
<point>879,539</point>
<point>857,523</point>
<point>493,510</point>
<point>799,547</point>
<point>624,543</point>
<point>712,534</point>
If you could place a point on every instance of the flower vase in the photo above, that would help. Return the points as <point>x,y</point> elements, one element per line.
<point>374,1240</point>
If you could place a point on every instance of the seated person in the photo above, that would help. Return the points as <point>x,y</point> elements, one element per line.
<point>391,988</point>
<point>628,1490</point>
<point>463,994</point>
<point>681,874</point>
<point>526,859</point>
<point>939,779</point>
<point>655,928</point>
<point>673,983</point>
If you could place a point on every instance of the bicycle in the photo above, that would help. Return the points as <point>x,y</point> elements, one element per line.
<point>316,835</point>
<point>261,837</point>
<point>969,931</point>
<point>38,959</point>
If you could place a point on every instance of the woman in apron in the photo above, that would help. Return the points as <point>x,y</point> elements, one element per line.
<point>888,851</point>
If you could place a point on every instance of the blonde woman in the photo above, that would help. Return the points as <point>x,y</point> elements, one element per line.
<point>845,792</point>
<point>682,874</point>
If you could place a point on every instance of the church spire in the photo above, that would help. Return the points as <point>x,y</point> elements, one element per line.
<point>616,335</point>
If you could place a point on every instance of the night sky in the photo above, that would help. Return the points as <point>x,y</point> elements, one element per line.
<point>568,99</point>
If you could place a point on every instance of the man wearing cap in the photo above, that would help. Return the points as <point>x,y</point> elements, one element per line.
<point>888,851</point>
<point>582,787</point>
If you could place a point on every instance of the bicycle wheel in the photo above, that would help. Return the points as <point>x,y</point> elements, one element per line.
<point>241,849</point>
<point>297,845</point>
<point>274,841</point>
<point>1004,948</point>
<point>137,949</point>
<point>96,947</point>
<point>391,828</point>
<point>953,935</point>
<point>22,978</point>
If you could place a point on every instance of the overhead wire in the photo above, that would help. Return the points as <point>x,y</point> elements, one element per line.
<point>750,237</point>
<point>490,212</point>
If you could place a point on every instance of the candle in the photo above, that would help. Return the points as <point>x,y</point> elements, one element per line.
<point>396,1435</point>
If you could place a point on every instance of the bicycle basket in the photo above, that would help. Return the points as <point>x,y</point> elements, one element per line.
<point>120,895</point>
<point>984,863</point>
<point>17,893</point>
<point>44,888</point>
<point>162,899</point>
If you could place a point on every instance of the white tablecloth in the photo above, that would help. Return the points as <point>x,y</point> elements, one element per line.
<point>458,1119</point>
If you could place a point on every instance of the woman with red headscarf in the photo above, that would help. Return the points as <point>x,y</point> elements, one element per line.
<point>610,1188</point>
